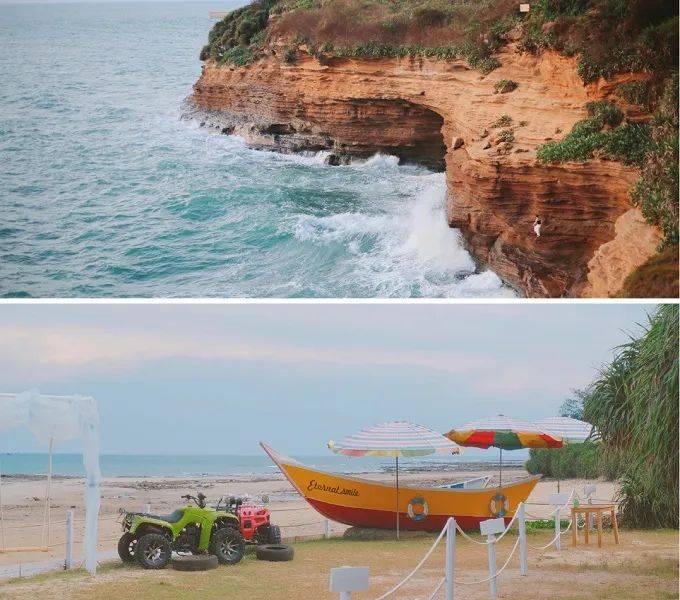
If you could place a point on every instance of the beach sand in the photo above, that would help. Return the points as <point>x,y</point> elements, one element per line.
<point>24,504</point>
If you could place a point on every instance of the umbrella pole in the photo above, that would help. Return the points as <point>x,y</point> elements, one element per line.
<point>500,470</point>
<point>396,459</point>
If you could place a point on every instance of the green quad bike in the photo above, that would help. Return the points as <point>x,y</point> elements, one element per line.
<point>150,539</point>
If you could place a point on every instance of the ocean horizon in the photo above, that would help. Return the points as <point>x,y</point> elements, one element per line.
<point>225,465</point>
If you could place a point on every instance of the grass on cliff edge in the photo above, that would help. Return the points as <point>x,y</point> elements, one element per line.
<point>657,278</point>
<point>643,561</point>
<point>606,36</point>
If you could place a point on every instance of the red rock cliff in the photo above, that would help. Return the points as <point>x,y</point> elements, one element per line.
<point>440,112</point>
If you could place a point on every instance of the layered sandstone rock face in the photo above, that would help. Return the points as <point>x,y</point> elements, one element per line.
<point>442,112</point>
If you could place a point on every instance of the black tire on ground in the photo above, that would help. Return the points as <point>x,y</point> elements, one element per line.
<point>228,545</point>
<point>153,551</point>
<point>126,547</point>
<point>196,562</point>
<point>274,552</point>
<point>274,535</point>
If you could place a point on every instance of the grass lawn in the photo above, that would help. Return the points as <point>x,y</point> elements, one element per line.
<point>645,565</point>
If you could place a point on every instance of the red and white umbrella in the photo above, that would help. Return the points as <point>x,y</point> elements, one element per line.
<point>395,438</point>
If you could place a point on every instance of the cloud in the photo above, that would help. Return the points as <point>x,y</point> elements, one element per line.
<point>75,347</point>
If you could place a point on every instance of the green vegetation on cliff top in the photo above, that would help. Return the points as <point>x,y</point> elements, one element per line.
<point>606,36</point>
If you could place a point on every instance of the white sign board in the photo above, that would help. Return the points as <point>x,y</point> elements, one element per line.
<point>491,526</point>
<point>524,8</point>
<point>349,579</point>
<point>559,499</point>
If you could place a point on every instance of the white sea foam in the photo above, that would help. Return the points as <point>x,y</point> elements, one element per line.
<point>407,247</point>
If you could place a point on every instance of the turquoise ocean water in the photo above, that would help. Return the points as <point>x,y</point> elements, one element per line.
<point>106,192</point>
<point>127,465</point>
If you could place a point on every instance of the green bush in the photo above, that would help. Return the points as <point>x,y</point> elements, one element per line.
<point>608,36</point>
<point>290,56</point>
<point>504,86</point>
<point>635,92</point>
<point>656,192</point>
<point>235,38</point>
<point>238,55</point>
<point>572,461</point>
<point>627,142</point>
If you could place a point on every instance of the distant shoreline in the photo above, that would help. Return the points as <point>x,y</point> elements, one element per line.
<point>419,467</point>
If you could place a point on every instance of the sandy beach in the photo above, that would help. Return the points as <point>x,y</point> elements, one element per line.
<point>23,499</point>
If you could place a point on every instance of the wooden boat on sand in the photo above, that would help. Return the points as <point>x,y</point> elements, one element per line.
<point>364,503</point>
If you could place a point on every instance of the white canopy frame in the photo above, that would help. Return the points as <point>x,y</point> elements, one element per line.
<point>52,419</point>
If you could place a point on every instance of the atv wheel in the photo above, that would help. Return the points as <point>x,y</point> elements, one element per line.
<point>153,551</point>
<point>274,552</point>
<point>127,544</point>
<point>274,535</point>
<point>228,545</point>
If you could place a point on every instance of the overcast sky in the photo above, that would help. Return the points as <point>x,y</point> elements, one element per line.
<point>217,379</point>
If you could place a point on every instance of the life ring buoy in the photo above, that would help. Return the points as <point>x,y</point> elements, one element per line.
<point>499,506</point>
<point>417,509</point>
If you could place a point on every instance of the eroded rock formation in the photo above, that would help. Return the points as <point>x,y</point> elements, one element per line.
<point>442,112</point>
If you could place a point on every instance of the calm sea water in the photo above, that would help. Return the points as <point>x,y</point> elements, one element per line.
<point>105,192</point>
<point>125,465</point>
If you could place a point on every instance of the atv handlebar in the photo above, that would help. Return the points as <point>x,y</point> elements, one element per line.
<point>199,499</point>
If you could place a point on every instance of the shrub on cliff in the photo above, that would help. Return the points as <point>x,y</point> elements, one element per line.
<point>505,86</point>
<point>446,29</point>
<point>608,36</point>
<point>235,38</point>
<point>656,192</point>
<point>627,142</point>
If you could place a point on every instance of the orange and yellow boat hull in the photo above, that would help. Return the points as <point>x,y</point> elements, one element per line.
<point>364,503</point>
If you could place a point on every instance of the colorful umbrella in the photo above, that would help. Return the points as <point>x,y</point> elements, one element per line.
<point>503,433</point>
<point>571,431</point>
<point>396,438</point>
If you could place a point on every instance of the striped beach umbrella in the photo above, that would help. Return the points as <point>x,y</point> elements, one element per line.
<point>396,438</point>
<point>503,433</point>
<point>570,431</point>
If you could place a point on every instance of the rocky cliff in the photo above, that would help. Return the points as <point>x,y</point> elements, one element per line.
<point>446,115</point>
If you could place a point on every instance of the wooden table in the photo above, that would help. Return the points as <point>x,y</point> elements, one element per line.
<point>593,509</point>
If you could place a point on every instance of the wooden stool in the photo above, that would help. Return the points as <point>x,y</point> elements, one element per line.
<point>593,509</point>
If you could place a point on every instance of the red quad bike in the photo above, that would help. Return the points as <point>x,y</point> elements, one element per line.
<point>254,520</point>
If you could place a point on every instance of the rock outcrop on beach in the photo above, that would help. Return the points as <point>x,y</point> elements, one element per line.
<point>442,113</point>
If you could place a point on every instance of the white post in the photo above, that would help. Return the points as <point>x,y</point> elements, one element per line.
<point>326,529</point>
<point>522,523</point>
<point>147,508</point>
<point>493,587</point>
<point>450,556</point>
<point>490,528</point>
<point>68,561</point>
<point>558,537</point>
<point>48,492</point>
<point>2,515</point>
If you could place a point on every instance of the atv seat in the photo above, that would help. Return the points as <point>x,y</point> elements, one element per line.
<point>173,517</point>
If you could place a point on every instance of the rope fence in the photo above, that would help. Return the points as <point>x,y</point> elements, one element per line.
<point>495,530</point>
